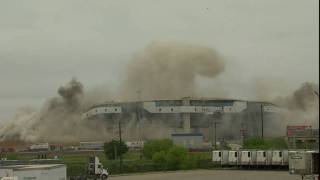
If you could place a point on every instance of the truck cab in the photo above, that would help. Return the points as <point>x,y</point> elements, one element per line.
<point>95,168</point>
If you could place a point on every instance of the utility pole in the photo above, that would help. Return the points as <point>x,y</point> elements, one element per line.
<point>261,121</point>
<point>139,123</point>
<point>215,135</point>
<point>115,151</point>
<point>120,141</point>
<point>216,119</point>
<point>213,125</point>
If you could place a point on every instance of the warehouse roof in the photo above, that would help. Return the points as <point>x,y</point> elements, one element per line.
<point>32,167</point>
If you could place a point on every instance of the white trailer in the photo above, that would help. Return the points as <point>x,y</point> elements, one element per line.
<point>264,157</point>
<point>216,157</point>
<point>280,157</point>
<point>248,157</point>
<point>225,157</point>
<point>233,158</point>
<point>220,157</point>
<point>35,172</point>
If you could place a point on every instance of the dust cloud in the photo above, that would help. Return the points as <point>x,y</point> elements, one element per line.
<point>163,70</point>
<point>302,106</point>
<point>58,120</point>
<point>166,70</point>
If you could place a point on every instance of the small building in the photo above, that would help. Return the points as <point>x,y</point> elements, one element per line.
<point>4,149</point>
<point>302,137</point>
<point>190,141</point>
<point>35,172</point>
<point>39,147</point>
<point>135,145</point>
<point>91,145</point>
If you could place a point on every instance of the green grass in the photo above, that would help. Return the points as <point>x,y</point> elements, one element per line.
<point>132,161</point>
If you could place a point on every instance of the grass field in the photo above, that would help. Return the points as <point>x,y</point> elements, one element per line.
<point>76,161</point>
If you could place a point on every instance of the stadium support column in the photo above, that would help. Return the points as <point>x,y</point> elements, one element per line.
<point>186,123</point>
<point>186,117</point>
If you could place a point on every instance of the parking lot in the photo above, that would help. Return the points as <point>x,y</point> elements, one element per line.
<point>211,175</point>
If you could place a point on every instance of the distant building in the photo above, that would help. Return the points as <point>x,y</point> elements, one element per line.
<point>188,140</point>
<point>7,149</point>
<point>91,145</point>
<point>302,137</point>
<point>135,145</point>
<point>56,147</point>
<point>35,172</point>
<point>237,118</point>
<point>39,147</point>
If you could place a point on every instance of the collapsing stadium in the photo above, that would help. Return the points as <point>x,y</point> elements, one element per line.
<point>234,119</point>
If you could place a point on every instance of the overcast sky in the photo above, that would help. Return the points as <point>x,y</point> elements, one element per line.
<point>43,44</point>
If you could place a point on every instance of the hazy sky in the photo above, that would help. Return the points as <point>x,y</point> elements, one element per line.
<point>43,44</point>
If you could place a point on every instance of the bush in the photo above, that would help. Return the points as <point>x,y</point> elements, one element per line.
<point>270,143</point>
<point>176,156</point>
<point>173,159</point>
<point>154,146</point>
<point>113,150</point>
<point>160,160</point>
<point>10,156</point>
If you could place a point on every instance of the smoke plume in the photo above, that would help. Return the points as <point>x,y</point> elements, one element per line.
<point>169,70</point>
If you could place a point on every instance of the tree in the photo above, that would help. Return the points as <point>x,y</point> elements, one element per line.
<point>154,146</point>
<point>266,143</point>
<point>112,149</point>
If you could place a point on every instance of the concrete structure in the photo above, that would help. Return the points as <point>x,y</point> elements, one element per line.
<point>35,172</point>
<point>233,118</point>
<point>188,140</point>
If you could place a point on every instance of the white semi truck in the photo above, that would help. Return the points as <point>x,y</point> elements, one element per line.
<point>94,170</point>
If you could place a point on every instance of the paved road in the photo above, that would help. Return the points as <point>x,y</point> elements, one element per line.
<point>212,175</point>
